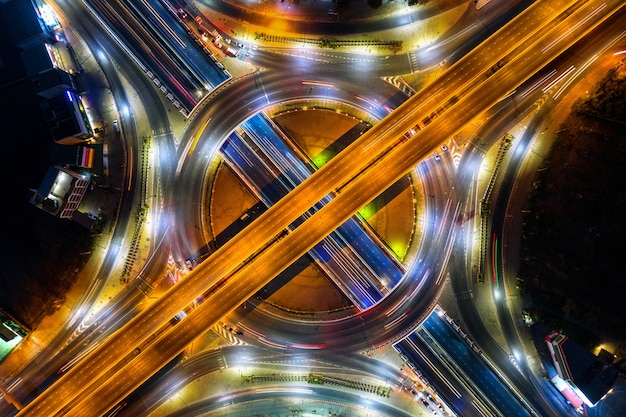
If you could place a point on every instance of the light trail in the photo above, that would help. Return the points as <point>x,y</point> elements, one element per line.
<point>77,358</point>
<point>537,84</point>
<point>191,145</point>
<point>573,28</point>
<point>317,83</point>
<point>164,24</point>
<point>557,79</point>
<point>494,254</point>
<point>130,168</point>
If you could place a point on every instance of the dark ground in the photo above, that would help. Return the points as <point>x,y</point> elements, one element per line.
<point>39,254</point>
<point>573,252</point>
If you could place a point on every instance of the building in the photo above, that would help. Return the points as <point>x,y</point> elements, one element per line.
<point>578,371</point>
<point>82,156</point>
<point>61,192</point>
<point>30,25</point>
<point>66,118</point>
<point>49,63</point>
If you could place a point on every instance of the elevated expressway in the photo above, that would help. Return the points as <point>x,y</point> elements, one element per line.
<point>371,164</point>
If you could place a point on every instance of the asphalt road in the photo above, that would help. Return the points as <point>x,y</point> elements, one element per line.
<point>404,157</point>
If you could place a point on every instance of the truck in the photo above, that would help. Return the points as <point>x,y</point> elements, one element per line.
<point>231,51</point>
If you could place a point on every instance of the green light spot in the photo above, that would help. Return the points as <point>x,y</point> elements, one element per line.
<point>322,158</point>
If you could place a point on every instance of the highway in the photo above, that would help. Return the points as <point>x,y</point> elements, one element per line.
<point>350,195</point>
<point>352,255</point>
<point>265,362</point>
<point>450,347</point>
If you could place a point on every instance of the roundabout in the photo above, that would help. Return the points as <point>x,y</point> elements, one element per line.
<point>274,316</point>
<point>305,291</point>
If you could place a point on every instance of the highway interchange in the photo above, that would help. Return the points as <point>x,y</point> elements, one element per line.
<point>469,88</point>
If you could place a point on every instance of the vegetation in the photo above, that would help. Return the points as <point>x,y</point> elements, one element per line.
<point>41,262</point>
<point>571,268</point>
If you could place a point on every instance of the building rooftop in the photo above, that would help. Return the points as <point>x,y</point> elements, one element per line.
<point>25,26</point>
<point>592,376</point>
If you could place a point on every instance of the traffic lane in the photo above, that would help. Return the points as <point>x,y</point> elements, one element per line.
<point>437,119</point>
<point>490,100</point>
<point>147,51</point>
<point>474,367</point>
<point>218,304</point>
<point>282,330</point>
<point>147,399</point>
<point>246,164</point>
<point>376,255</point>
<point>340,267</point>
<point>460,397</point>
<point>171,29</point>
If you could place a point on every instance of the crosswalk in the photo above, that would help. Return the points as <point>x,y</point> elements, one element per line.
<point>229,337</point>
<point>402,85</point>
<point>413,61</point>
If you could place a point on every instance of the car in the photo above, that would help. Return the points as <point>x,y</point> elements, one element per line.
<point>239,44</point>
<point>436,156</point>
<point>444,148</point>
<point>178,317</point>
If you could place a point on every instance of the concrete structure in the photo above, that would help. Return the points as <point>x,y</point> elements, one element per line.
<point>51,83</point>
<point>30,25</point>
<point>81,156</point>
<point>49,65</point>
<point>579,375</point>
<point>67,119</point>
<point>61,192</point>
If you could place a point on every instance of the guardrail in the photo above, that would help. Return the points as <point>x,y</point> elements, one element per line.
<point>485,207</point>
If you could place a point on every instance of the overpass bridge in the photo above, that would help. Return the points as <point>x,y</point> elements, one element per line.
<point>390,149</point>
